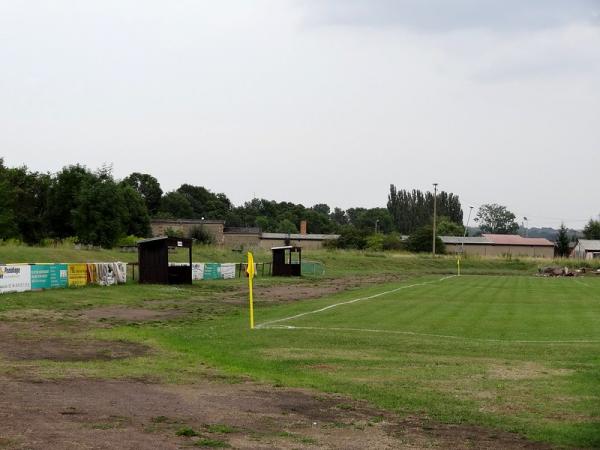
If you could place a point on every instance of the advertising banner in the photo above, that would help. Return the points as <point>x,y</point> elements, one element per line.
<point>48,276</point>
<point>228,270</point>
<point>212,271</point>
<point>77,274</point>
<point>15,278</point>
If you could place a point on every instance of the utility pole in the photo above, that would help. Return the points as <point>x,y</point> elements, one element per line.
<point>434,214</point>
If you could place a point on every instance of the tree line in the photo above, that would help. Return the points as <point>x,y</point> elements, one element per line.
<point>94,208</point>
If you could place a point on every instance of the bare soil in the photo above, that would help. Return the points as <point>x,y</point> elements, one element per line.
<point>103,414</point>
<point>317,288</point>
<point>29,346</point>
<point>129,314</point>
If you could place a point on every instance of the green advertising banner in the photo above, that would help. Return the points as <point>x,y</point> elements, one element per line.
<point>48,276</point>
<point>212,271</point>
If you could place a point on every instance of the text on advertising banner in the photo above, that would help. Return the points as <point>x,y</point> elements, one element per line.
<point>48,276</point>
<point>15,278</point>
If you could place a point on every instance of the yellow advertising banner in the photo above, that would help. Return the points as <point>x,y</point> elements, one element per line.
<point>77,274</point>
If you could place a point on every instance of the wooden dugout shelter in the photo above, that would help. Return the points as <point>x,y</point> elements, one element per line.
<point>153,260</point>
<point>283,263</point>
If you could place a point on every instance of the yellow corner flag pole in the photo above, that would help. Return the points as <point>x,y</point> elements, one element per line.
<point>250,273</point>
<point>458,264</point>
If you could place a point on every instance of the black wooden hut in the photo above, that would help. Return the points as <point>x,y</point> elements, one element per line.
<point>153,260</point>
<point>284,264</point>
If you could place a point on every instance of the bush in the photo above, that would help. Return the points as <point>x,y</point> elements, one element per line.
<point>128,241</point>
<point>375,242</point>
<point>421,241</point>
<point>201,235</point>
<point>393,241</point>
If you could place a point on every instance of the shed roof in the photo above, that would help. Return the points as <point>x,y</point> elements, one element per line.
<point>296,236</point>
<point>514,239</point>
<point>467,240</point>
<point>170,240</point>
<point>589,245</point>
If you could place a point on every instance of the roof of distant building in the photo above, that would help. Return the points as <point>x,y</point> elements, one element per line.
<point>588,245</point>
<point>515,239</point>
<point>313,237</point>
<point>467,240</point>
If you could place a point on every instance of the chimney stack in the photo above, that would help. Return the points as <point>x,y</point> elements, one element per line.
<point>303,227</point>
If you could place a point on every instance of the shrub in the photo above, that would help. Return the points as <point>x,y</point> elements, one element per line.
<point>421,241</point>
<point>201,235</point>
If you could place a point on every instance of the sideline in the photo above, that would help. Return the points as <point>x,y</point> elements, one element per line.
<point>335,305</point>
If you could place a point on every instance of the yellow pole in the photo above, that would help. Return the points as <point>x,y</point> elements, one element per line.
<point>458,264</point>
<point>251,303</point>
<point>250,273</point>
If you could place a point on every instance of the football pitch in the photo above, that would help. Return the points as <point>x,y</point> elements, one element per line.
<point>521,353</point>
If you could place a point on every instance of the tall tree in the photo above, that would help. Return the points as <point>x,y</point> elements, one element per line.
<point>562,241</point>
<point>414,209</point>
<point>101,213</point>
<point>592,229</point>
<point>63,197</point>
<point>148,187</point>
<point>497,219</point>
<point>136,221</point>
<point>175,205</point>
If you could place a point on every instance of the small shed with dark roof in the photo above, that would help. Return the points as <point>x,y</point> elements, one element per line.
<point>287,261</point>
<point>153,260</point>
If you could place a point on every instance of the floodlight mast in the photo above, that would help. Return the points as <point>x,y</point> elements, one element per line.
<point>435,185</point>
<point>462,247</point>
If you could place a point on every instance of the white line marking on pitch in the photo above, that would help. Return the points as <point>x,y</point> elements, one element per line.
<point>445,336</point>
<point>335,305</point>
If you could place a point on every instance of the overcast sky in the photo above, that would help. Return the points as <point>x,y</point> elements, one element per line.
<point>314,101</point>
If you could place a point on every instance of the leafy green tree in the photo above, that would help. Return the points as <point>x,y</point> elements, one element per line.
<point>322,208</point>
<point>592,229</point>
<point>375,242</point>
<point>562,241</point>
<point>101,213</point>
<point>205,203</point>
<point>445,227</point>
<point>414,209</point>
<point>136,221</point>
<point>175,205</point>
<point>422,241</point>
<point>63,197</point>
<point>339,217</point>
<point>496,219</point>
<point>350,237</point>
<point>29,192</point>
<point>148,187</point>
<point>8,227</point>
<point>286,226</point>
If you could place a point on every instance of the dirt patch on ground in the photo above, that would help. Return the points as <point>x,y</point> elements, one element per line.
<point>525,371</point>
<point>27,342</point>
<point>83,413</point>
<point>129,314</point>
<point>319,288</point>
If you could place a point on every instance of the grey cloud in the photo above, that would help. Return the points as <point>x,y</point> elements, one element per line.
<point>451,15</point>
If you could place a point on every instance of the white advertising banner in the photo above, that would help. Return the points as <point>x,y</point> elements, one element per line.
<point>228,270</point>
<point>15,278</point>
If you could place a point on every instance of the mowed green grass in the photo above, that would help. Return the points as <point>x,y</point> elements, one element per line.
<point>519,353</point>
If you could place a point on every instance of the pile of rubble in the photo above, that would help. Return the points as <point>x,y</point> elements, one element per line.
<point>565,271</point>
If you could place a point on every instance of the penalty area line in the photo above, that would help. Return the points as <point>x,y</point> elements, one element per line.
<point>349,302</point>
<point>442,336</point>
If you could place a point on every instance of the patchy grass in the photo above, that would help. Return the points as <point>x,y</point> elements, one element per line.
<point>519,353</point>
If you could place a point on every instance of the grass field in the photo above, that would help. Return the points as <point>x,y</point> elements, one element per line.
<point>512,351</point>
<point>519,353</point>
